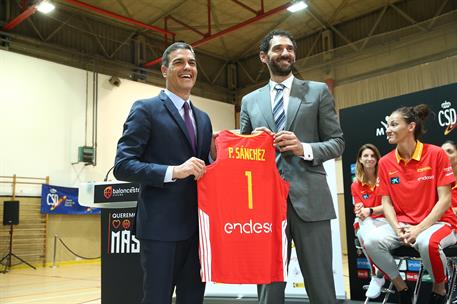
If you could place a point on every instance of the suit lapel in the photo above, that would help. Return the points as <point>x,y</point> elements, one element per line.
<point>174,113</point>
<point>264,104</point>
<point>297,95</point>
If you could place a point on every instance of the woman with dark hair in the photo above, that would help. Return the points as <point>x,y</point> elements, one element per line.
<point>415,182</point>
<point>450,147</point>
<point>367,206</point>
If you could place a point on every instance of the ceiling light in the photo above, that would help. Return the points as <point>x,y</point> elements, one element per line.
<point>297,6</point>
<point>45,7</point>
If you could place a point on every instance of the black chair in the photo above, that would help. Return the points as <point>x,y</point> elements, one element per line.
<point>401,254</point>
<point>451,256</point>
<point>404,253</point>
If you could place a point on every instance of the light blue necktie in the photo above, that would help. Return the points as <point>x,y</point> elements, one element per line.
<point>279,114</point>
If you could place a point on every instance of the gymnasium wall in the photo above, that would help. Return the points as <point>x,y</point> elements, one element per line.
<point>43,110</point>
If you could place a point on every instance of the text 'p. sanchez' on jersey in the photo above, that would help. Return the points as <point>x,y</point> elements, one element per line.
<point>242,205</point>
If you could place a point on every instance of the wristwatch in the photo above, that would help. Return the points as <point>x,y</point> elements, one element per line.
<point>371,211</point>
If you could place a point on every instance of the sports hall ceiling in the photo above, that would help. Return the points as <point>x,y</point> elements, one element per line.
<point>126,38</point>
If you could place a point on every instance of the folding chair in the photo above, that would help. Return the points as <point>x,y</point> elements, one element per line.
<point>404,253</point>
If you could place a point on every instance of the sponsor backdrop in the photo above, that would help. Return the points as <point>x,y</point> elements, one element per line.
<point>62,200</point>
<point>121,271</point>
<point>367,124</point>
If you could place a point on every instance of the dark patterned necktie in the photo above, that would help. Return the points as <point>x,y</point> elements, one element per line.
<point>190,126</point>
<point>279,114</point>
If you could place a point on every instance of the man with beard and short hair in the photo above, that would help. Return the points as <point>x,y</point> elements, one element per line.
<point>302,118</point>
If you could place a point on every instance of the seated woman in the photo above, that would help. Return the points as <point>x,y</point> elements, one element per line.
<point>450,147</point>
<point>367,206</point>
<point>415,182</point>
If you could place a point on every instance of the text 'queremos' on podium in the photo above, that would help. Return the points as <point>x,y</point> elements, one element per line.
<point>121,279</point>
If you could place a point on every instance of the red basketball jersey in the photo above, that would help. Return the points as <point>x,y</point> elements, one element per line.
<point>242,204</point>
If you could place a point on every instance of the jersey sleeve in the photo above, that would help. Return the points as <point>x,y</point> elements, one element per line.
<point>377,197</point>
<point>445,175</point>
<point>355,193</point>
<point>383,188</point>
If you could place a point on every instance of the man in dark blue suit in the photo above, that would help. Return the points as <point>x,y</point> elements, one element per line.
<point>165,147</point>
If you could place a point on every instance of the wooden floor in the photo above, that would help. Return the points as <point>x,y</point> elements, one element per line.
<point>66,284</point>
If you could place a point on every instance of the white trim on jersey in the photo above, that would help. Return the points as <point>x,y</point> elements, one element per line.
<point>284,249</point>
<point>204,246</point>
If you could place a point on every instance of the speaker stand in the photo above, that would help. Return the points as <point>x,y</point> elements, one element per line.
<point>10,254</point>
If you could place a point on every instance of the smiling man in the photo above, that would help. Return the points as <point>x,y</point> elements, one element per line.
<point>301,115</point>
<point>165,147</point>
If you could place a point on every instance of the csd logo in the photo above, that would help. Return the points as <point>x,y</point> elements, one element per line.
<point>447,117</point>
<point>52,198</point>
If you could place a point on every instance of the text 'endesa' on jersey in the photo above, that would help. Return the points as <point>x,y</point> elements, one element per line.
<point>248,228</point>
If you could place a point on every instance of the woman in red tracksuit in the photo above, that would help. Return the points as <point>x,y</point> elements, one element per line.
<point>367,206</point>
<point>415,181</point>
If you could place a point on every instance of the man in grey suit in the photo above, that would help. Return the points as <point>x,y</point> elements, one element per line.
<point>301,115</point>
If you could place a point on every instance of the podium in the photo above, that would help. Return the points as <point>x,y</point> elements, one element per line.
<point>121,274</point>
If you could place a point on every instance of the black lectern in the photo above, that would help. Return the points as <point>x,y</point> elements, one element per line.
<point>121,272</point>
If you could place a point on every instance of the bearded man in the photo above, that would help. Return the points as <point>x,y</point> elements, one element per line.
<point>302,118</point>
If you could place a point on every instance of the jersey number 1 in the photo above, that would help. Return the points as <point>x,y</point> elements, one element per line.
<point>248,174</point>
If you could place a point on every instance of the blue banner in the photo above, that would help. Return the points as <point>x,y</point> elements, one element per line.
<point>62,200</point>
